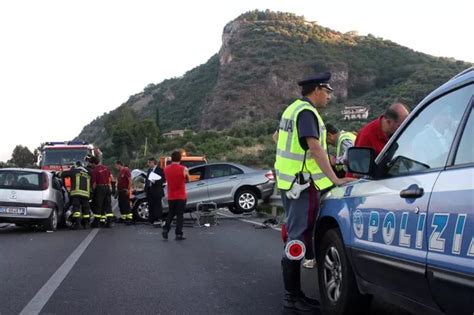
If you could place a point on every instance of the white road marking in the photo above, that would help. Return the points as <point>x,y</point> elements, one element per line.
<point>247,221</point>
<point>44,294</point>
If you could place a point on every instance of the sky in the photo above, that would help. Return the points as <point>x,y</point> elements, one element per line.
<point>64,63</point>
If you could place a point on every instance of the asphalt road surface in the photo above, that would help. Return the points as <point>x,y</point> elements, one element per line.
<point>231,268</point>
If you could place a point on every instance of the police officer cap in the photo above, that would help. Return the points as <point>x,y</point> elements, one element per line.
<point>321,80</point>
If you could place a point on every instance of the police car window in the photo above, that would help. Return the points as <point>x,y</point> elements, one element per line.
<point>426,141</point>
<point>465,153</point>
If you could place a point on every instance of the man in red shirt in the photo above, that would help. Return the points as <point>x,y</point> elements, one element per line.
<point>176,176</point>
<point>124,184</point>
<point>101,185</point>
<point>377,132</point>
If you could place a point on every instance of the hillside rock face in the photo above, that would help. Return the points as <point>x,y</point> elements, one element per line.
<point>253,76</point>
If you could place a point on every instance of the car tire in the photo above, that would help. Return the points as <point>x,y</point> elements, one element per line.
<point>141,210</point>
<point>245,200</point>
<point>51,223</point>
<point>337,282</point>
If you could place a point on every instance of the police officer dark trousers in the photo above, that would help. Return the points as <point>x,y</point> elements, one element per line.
<point>302,171</point>
<point>80,193</point>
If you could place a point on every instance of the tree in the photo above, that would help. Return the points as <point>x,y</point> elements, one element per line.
<point>22,157</point>
<point>4,164</point>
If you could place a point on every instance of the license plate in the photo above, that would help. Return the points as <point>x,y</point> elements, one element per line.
<point>13,210</point>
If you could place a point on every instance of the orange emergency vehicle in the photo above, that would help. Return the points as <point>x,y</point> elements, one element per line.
<point>188,161</point>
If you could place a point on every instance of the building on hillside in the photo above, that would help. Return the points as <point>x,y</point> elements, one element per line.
<point>355,112</point>
<point>174,134</point>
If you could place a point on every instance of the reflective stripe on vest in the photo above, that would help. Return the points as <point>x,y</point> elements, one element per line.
<point>344,135</point>
<point>290,155</point>
<point>78,191</point>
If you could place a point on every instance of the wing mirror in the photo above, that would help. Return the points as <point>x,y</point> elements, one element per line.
<point>361,160</point>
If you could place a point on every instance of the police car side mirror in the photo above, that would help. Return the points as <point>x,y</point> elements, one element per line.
<point>361,160</point>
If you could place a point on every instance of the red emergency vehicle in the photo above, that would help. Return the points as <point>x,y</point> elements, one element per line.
<point>58,156</point>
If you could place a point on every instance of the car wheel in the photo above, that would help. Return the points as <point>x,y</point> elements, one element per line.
<point>51,223</point>
<point>337,283</point>
<point>141,210</point>
<point>245,201</point>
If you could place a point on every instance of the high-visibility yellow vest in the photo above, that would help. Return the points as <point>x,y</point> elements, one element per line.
<point>82,185</point>
<point>290,155</point>
<point>344,135</point>
<point>81,182</point>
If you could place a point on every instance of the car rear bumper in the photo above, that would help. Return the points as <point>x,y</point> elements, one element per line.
<point>266,189</point>
<point>32,214</point>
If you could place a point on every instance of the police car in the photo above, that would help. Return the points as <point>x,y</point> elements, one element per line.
<point>405,231</point>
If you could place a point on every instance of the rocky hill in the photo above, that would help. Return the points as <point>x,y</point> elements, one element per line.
<point>253,77</point>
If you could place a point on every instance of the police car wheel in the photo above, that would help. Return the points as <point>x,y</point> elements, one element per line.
<point>245,201</point>
<point>337,283</point>
<point>141,210</point>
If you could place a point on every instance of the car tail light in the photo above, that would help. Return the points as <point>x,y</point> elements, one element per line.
<point>44,181</point>
<point>269,175</point>
<point>47,204</point>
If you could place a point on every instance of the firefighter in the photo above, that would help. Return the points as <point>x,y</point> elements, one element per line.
<point>303,172</point>
<point>124,186</point>
<point>102,186</point>
<point>80,194</point>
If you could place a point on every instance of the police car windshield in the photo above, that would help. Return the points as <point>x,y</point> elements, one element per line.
<point>63,156</point>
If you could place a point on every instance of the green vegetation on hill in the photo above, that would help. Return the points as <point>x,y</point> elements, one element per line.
<point>253,77</point>
<point>250,144</point>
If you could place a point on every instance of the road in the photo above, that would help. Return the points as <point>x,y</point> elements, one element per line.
<point>231,268</point>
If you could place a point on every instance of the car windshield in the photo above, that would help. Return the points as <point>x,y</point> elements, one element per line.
<point>20,180</point>
<point>63,156</point>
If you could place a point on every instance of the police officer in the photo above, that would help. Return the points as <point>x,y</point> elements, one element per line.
<point>80,194</point>
<point>342,140</point>
<point>303,171</point>
<point>102,185</point>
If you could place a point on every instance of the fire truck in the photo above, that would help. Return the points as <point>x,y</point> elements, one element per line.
<point>58,156</point>
<point>61,155</point>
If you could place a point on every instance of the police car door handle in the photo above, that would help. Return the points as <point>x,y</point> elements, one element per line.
<point>412,193</point>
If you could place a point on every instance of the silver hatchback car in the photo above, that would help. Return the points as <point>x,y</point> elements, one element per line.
<point>227,184</point>
<point>31,197</point>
